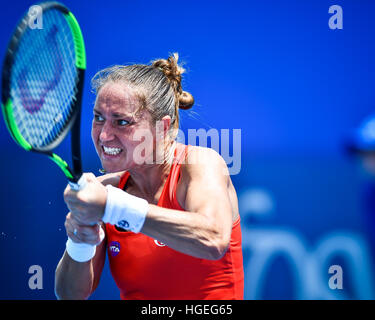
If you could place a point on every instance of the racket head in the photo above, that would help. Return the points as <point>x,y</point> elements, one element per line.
<point>42,79</point>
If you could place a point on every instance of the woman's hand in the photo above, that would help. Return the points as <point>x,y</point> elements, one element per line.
<point>82,234</point>
<point>87,205</point>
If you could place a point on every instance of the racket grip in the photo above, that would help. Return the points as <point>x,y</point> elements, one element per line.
<point>79,185</point>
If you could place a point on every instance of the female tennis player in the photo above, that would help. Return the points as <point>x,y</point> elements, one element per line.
<point>169,211</point>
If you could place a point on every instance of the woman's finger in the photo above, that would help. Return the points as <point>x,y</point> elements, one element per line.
<point>83,234</point>
<point>73,229</point>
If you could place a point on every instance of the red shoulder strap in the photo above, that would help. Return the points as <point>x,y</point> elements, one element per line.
<point>175,172</point>
<point>123,180</point>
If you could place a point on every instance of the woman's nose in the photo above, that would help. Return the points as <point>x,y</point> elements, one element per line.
<point>106,134</point>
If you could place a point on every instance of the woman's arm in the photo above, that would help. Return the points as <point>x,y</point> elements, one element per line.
<point>204,229</point>
<point>78,280</point>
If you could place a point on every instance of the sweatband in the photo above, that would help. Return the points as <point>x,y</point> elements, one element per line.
<point>125,210</point>
<point>82,252</point>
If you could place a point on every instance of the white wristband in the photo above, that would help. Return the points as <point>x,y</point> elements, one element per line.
<point>82,252</point>
<point>125,210</point>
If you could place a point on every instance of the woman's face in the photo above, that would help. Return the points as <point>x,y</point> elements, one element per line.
<point>117,130</point>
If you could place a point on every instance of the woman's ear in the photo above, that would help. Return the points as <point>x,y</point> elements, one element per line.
<point>165,124</point>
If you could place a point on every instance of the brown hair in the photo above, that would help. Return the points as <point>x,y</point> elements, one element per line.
<point>158,86</point>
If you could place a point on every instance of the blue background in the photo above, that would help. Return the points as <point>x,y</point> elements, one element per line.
<point>273,69</point>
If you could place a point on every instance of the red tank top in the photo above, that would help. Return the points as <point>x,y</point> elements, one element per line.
<point>144,268</point>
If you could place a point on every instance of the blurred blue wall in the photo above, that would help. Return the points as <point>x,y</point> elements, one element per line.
<point>273,69</point>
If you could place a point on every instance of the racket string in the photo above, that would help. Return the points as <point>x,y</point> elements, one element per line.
<point>54,113</point>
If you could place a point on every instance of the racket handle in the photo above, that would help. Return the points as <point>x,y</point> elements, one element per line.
<point>79,185</point>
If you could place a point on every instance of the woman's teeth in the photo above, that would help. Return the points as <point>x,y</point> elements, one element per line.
<point>112,151</point>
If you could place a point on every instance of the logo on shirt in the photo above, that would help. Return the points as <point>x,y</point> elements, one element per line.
<point>114,248</point>
<point>158,243</point>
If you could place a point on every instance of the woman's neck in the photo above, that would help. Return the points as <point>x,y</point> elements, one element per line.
<point>148,178</point>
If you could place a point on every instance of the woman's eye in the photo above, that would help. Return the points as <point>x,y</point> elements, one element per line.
<point>122,122</point>
<point>98,118</point>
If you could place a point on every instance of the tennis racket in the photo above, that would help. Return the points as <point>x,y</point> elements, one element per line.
<point>42,84</point>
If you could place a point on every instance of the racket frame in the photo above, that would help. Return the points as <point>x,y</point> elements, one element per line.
<point>73,125</point>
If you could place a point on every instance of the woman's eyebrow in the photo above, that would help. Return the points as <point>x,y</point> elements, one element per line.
<point>115,114</point>
<point>119,115</point>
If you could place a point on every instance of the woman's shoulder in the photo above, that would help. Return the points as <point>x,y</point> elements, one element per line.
<point>200,158</point>
<point>204,169</point>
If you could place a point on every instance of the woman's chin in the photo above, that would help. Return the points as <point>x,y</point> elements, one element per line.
<point>112,167</point>
<point>112,163</point>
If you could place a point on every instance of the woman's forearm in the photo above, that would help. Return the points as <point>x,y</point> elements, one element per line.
<point>73,280</point>
<point>187,232</point>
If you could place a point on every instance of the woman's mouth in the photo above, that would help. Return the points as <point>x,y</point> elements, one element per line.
<point>111,151</point>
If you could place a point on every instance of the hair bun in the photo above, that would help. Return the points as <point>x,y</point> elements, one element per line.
<point>174,72</point>
<point>185,101</point>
